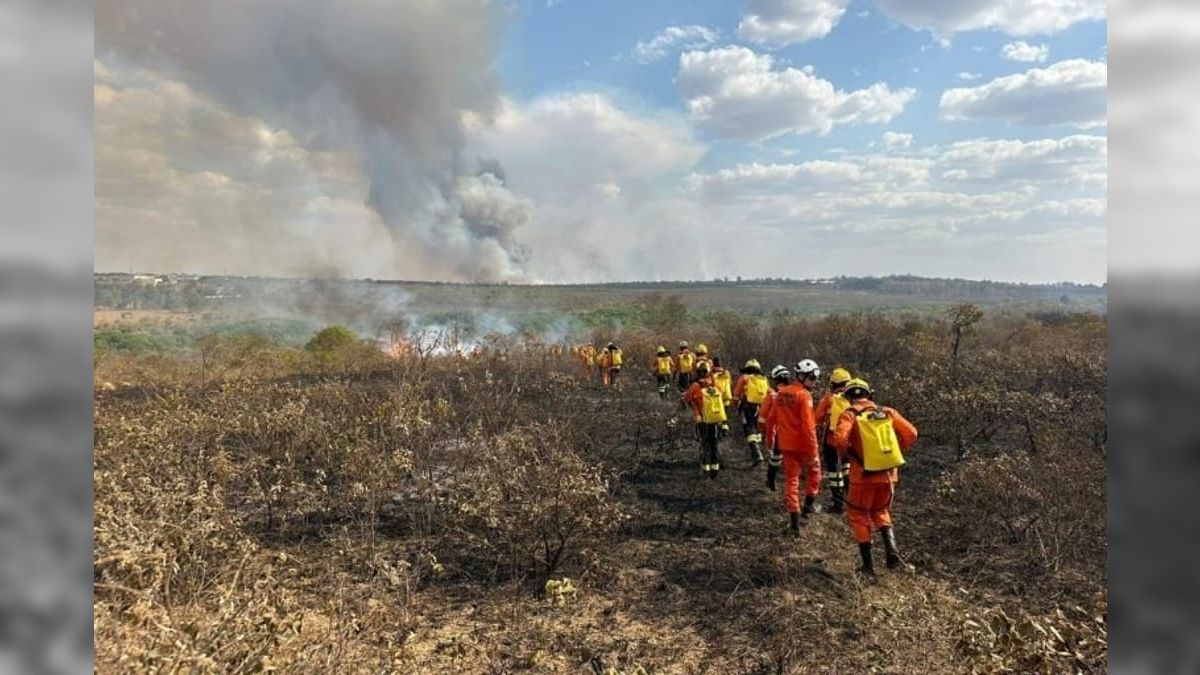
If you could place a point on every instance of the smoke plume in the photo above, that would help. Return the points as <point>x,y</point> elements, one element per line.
<point>393,82</point>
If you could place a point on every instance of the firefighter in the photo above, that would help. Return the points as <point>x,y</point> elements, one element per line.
<point>685,366</point>
<point>610,364</point>
<point>748,395</point>
<point>723,380</point>
<point>663,367</point>
<point>796,433</point>
<point>780,376</point>
<point>587,360</point>
<point>831,407</point>
<point>873,439</point>
<point>708,412</point>
<point>702,356</point>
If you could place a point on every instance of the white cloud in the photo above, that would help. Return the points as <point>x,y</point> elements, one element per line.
<point>895,141</point>
<point>736,93</point>
<point>981,208</point>
<point>967,77</point>
<point>1025,52</point>
<point>1075,161</point>
<point>557,146</point>
<point>671,39</point>
<point>1071,93</point>
<point>784,22</point>
<point>1014,17</point>
<point>850,175</point>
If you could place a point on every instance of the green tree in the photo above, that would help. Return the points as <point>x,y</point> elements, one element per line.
<point>331,339</point>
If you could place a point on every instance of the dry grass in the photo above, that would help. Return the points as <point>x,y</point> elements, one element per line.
<point>262,508</point>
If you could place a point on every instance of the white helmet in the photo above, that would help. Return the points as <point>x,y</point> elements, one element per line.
<point>780,372</point>
<point>807,368</point>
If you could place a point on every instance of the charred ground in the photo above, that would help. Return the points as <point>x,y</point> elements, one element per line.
<point>260,505</point>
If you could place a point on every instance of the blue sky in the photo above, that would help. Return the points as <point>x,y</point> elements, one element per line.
<point>573,45</point>
<point>589,140</point>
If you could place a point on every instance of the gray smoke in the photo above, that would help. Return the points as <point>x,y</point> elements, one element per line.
<point>393,81</point>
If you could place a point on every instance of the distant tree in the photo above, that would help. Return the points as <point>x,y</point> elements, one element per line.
<point>193,297</point>
<point>663,313</point>
<point>962,320</point>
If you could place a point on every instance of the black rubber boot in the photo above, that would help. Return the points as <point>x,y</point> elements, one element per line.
<point>772,473</point>
<point>889,547</point>
<point>809,507</point>
<point>794,527</point>
<point>837,503</point>
<point>868,568</point>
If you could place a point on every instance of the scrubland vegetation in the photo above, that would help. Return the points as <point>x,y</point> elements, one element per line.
<point>320,506</point>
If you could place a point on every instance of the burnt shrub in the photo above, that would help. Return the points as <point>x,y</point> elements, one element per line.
<point>528,501</point>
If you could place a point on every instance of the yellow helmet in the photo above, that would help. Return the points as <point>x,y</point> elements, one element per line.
<point>701,348</point>
<point>661,349</point>
<point>858,388</point>
<point>839,376</point>
<point>753,363</point>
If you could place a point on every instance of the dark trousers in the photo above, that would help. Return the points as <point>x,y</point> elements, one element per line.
<point>748,414</point>
<point>834,472</point>
<point>683,380</point>
<point>710,450</point>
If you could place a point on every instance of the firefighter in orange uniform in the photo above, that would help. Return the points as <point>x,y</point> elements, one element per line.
<point>872,438</point>
<point>796,432</point>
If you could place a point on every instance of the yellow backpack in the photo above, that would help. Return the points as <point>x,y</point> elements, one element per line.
<point>686,361</point>
<point>881,447</point>
<point>838,405</point>
<point>756,389</point>
<point>662,365</point>
<point>616,359</point>
<point>712,405</point>
<point>724,381</point>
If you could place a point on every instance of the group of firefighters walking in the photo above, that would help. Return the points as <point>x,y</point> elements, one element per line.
<point>848,440</point>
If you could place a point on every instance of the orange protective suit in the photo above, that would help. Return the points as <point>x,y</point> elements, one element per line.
<point>822,414</point>
<point>694,396</point>
<point>870,500</point>
<point>767,429</point>
<point>791,414</point>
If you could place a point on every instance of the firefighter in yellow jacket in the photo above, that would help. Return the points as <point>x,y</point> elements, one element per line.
<point>663,367</point>
<point>611,360</point>
<point>685,365</point>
